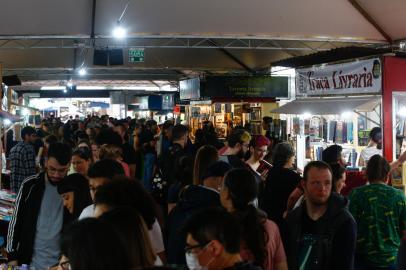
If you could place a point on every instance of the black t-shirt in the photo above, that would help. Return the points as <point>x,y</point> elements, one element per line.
<point>278,186</point>
<point>313,256</point>
<point>129,155</point>
<point>37,145</point>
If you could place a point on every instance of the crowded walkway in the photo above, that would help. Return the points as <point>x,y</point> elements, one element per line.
<point>106,194</point>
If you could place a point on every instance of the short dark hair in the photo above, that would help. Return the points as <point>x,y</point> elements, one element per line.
<point>108,136</point>
<point>332,154</point>
<point>237,136</point>
<point>321,165</point>
<point>50,139</point>
<point>215,224</point>
<point>179,131</point>
<point>61,152</point>
<point>106,168</point>
<point>281,154</point>
<point>85,242</point>
<point>376,136</point>
<point>378,168</point>
<point>125,192</point>
<point>27,131</point>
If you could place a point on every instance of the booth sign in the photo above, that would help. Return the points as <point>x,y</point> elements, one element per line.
<point>360,77</point>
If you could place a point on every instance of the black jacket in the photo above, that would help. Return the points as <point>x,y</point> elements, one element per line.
<point>337,231</point>
<point>193,198</point>
<point>23,224</point>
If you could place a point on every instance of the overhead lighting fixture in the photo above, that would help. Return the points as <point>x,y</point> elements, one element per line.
<point>82,72</point>
<point>89,87</point>
<point>53,87</point>
<point>65,90</point>
<point>119,32</point>
<point>346,115</point>
<point>69,84</point>
<point>306,115</point>
<point>146,88</point>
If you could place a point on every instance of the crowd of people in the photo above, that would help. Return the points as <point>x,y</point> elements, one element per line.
<point>107,194</point>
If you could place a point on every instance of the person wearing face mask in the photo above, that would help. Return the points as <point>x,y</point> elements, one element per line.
<point>193,198</point>
<point>75,193</point>
<point>213,242</point>
<point>39,216</point>
<point>237,146</point>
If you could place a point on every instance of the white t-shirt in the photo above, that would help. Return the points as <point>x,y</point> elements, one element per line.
<point>88,212</point>
<point>155,234</point>
<point>368,152</point>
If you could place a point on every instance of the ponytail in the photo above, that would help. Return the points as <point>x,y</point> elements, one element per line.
<point>254,235</point>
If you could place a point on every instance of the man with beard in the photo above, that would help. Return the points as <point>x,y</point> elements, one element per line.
<point>321,232</point>
<point>36,224</point>
<point>237,147</point>
<point>22,159</point>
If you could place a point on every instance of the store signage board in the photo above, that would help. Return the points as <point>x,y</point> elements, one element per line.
<point>136,55</point>
<point>360,77</point>
<point>189,89</point>
<point>246,87</point>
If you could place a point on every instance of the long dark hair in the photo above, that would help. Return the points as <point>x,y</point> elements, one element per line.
<point>93,244</point>
<point>206,155</point>
<point>243,189</point>
<point>134,233</point>
<point>79,185</point>
<point>378,169</point>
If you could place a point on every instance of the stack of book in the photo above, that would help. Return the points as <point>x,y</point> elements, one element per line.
<point>7,200</point>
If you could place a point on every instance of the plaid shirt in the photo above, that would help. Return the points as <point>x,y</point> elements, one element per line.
<point>22,164</point>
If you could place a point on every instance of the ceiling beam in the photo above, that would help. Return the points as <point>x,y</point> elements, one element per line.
<point>232,57</point>
<point>371,20</point>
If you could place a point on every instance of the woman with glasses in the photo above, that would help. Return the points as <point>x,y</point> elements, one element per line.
<point>81,160</point>
<point>259,149</point>
<point>261,242</point>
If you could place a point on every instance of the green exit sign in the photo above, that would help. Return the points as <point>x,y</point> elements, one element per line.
<point>136,55</point>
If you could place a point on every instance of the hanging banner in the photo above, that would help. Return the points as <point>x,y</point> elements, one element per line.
<point>360,77</point>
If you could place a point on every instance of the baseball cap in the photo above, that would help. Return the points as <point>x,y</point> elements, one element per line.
<point>216,169</point>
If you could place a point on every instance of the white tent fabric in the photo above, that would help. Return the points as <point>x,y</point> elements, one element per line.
<point>329,106</point>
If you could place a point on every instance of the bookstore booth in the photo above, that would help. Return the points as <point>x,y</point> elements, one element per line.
<point>335,104</point>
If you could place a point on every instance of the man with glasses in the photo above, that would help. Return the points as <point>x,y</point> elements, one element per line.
<point>36,224</point>
<point>321,232</point>
<point>237,146</point>
<point>213,242</point>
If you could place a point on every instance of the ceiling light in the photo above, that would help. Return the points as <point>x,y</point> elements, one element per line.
<point>53,87</point>
<point>119,32</point>
<point>306,115</point>
<point>89,87</point>
<point>346,115</point>
<point>69,84</point>
<point>7,122</point>
<point>65,90</point>
<point>82,72</point>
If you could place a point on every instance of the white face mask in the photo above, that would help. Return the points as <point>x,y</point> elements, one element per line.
<point>192,262</point>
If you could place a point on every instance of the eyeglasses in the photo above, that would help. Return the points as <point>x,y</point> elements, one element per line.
<point>65,265</point>
<point>53,171</point>
<point>189,249</point>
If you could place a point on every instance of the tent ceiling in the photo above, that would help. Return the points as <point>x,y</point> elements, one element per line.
<point>182,35</point>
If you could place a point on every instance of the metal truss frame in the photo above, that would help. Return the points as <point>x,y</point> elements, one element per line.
<point>158,41</point>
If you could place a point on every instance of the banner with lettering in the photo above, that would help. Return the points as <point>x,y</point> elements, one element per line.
<point>359,77</point>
